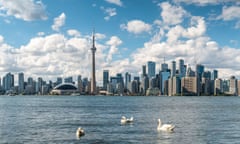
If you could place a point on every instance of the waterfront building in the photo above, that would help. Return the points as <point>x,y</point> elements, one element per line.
<point>133,87</point>
<point>226,85</point>
<point>189,86</point>
<point>68,80</point>
<point>39,85</point>
<point>205,87</point>
<point>144,84</point>
<point>238,84</point>
<point>110,89</point>
<point>207,75</point>
<point>79,84</point>
<point>20,83</point>
<point>144,73</point>
<point>8,81</point>
<point>64,89</point>
<point>199,71</point>
<point>59,80</point>
<point>214,74</point>
<point>233,86</point>
<point>105,79</point>
<point>173,69</point>
<point>151,69</point>
<point>136,78</point>
<point>164,67</point>
<point>93,78</point>
<point>152,91</point>
<point>190,72</point>
<point>152,82</point>
<point>117,83</point>
<point>127,80</point>
<point>174,86</point>
<point>164,77</point>
<point>218,86</point>
<point>181,68</point>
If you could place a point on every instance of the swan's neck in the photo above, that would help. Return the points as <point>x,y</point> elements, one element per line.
<point>159,123</point>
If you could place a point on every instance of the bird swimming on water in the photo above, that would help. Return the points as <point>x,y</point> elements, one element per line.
<point>125,120</point>
<point>165,127</point>
<point>80,132</point>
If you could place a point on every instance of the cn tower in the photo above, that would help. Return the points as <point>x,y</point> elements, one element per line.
<point>93,80</point>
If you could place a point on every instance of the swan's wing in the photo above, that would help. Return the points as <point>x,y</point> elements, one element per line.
<point>168,127</point>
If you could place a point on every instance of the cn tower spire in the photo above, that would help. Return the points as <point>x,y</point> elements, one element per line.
<point>93,78</point>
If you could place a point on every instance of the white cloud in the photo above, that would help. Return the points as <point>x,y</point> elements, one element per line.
<point>204,2</point>
<point>110,12</point>
<point>73,33</point>
<point>40,33</point>
<point>59,22</point>
<point>116,2</point>
<point>136,27</point>
<point>114,42</point>
<point>172,15</point>
<point>1,39</point>
<point>27,10</point>
<point>196,29</point>
<point>230,13</point>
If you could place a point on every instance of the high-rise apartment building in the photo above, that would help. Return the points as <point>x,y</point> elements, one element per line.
<point>105,79</point>
<point>8,81</point>
<point>181,68</point>
<point>218,86</point>
<point>173,69</point>
<point>151,69</point>
<point>214,74</point>
<point>144,73</point>
<point>127,80</point>
<point>20,83</point>
<point>189,86</point>
<point>199,71</point>
<point>233,86</point>
<point>164,67</point>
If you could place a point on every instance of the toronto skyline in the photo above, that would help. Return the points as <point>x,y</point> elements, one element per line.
<point>51,39</point>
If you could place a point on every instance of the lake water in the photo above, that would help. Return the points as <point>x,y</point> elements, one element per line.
<point>55,119</point>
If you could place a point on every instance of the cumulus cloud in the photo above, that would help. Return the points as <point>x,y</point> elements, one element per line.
<point>204,2</point>
<point>114,42</point>
<point>230,13</point>
<point>171,14</point>
<point>196,29</point>
<point>1,39</point>
<point>27,10</point>
<point>73,33</point>
<point>116,2</point>
<point>110,12</point>
<point>59,22</point>
<point>136,26</point>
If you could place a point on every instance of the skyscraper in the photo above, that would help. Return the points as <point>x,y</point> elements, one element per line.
<point>20,83</point>
<point>105,79</point>
<point>151,69</point>
<point>93,78</point>
<point>144,71</point>
<point>214,74</point>
<point>173,70</point>
<point>8,81</point>
<point>199,71</point>
<point>181,68</point>
<point>127,80</point>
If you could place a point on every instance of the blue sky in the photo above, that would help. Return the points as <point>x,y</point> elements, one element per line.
<point>49,38</point>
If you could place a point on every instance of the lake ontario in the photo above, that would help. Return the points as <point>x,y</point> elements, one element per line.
<point>55,119</point>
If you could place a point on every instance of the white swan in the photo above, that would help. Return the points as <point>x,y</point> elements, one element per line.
<point>165,127</point>
<point>125,120</point>
<point>80,132</point>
